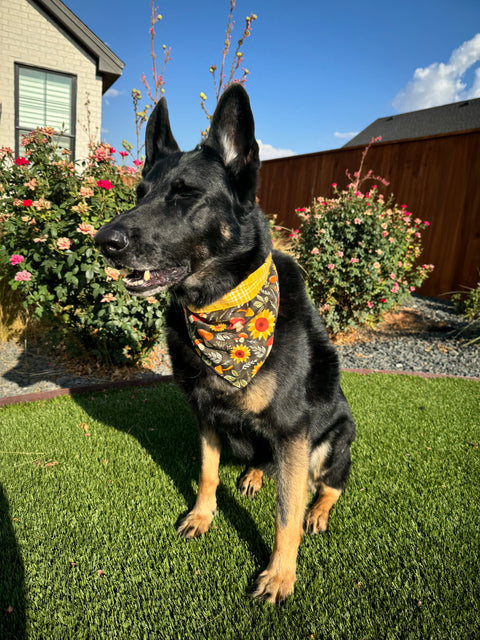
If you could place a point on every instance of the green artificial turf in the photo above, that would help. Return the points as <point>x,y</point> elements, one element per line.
<point>92,487</point>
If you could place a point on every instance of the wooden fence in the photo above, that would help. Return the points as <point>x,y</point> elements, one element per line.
<point>437,177</point>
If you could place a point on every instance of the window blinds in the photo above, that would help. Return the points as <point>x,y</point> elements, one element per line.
<point>45,99</point>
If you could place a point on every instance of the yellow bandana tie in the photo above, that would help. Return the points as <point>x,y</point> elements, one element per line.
<point>234,335</point>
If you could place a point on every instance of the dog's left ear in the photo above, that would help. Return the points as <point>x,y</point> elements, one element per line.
<point>158,135</point>
<point>232,135</point>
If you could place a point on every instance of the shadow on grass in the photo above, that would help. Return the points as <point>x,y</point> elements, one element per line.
<point>12,588</point>
<point>165,427</point>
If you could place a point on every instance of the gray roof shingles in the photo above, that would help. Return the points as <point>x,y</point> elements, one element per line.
<point>458,116</point>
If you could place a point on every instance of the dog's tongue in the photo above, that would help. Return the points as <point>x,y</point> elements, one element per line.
<point>141,281</point>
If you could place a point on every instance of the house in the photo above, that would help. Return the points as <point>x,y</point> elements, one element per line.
<point>449,118</point>
<point>53,72</point>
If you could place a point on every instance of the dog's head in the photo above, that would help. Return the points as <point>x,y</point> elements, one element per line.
<point>191,207</point>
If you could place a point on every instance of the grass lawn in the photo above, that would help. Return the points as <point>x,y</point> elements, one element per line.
<point>91,488</point>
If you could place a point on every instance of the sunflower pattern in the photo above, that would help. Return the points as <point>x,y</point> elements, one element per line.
<point>236,341</point>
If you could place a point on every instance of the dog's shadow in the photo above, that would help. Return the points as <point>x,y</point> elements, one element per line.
<point>174,446</point>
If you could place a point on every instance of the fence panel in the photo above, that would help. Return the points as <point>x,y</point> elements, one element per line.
<point>437,177</point>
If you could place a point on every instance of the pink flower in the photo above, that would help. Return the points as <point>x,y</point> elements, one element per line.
<point>112,274</point>
<point>340,254</point>
<point>21,161</point>
<point>104,184</point>
<point>315,251</point>
<point>85,192</point>
<point>23,276</point>
<point>64,243</point>
<point>86,229</point>
<point>102,153</point>
<point>109,297</point>
<point>330,266</point>
<point>27,203</point>
<point>369,305</point>
<point>137,163</point>
<point>426,223</point>
<point>16,259</point>
<point>334,184</point>
<point>357,221</point>
<point>124,154</point>
<point>354,260</point>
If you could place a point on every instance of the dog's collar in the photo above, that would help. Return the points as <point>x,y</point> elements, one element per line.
<point>234,335</point>
<point>243,293</point>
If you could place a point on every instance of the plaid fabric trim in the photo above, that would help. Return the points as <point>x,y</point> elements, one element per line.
<point>245,291</point>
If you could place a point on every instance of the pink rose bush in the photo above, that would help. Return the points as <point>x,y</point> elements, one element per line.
<point>50,210</point>
<point>360,253</point>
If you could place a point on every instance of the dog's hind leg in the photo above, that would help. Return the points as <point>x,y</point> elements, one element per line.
<point>250,482</point>
<point>277,582</point>
<point>198,520</point>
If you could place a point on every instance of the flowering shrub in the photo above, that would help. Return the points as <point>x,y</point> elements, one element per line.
<point>49,213</point>
<point>359,253</point>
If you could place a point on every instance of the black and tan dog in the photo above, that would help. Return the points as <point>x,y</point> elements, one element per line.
<point>247,347</point>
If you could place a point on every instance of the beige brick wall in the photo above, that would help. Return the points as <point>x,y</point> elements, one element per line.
<point>27,36</point>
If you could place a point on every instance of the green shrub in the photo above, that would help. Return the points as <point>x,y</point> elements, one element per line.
<point>49,212</point>
<point>359,254</point>
<point>468,303</point>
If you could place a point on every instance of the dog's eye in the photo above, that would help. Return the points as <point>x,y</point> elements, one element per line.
<point>180,190</point>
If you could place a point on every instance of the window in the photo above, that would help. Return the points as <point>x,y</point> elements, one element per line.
<point>44,99</point>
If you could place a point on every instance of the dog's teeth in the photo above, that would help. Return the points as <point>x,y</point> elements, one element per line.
<point>146,275</point>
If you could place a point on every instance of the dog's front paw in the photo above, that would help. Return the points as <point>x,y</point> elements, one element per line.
<point>316,520</point>
<point>274,586</point>
<point>250,482</point>
<point>194,524</point>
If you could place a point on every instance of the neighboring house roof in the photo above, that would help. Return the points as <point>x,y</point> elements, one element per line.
<point>458,116</point>
<point>109,66</point>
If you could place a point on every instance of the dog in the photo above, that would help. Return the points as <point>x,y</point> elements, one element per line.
<point>247,347</point>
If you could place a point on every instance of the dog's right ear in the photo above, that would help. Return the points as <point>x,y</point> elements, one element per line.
<point>159,138</point>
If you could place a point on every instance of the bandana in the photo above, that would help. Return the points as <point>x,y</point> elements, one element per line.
<point>234,335</point>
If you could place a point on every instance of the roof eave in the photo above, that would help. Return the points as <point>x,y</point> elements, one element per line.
<point>109,66</point>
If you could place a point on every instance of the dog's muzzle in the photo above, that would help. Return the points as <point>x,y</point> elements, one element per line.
<point>114,242</point>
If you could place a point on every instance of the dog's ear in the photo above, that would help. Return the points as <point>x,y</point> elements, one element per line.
<point>158,136</point>
<point>232,135</point>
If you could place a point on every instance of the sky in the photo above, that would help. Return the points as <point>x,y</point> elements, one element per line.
<point>319,72</point>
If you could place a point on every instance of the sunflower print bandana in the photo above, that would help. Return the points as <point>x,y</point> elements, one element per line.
<point>234,335</point>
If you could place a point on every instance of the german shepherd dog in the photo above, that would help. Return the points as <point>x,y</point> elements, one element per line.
<point>247,347</point>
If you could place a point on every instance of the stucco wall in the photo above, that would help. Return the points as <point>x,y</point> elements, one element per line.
<point>28,36</point>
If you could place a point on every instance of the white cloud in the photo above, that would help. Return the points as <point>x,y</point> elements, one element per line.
<point>442,83</point>
<point>347,135</point>
<point>111,93</point>
<point>268,152</point>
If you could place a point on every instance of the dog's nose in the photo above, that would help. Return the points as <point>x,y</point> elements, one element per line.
<point>112,241</point>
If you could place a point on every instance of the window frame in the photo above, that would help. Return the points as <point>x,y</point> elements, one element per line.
<point>73,106</point>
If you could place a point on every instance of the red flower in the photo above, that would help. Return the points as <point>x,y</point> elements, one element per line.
<point>27,203</point>
<point>137,163</point>
<point>383,300</point>
<point>104,184</point>
<point>124,154</point>
<point>21,161</point>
